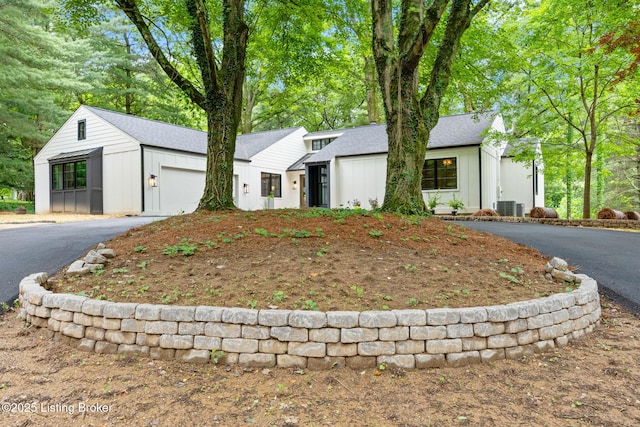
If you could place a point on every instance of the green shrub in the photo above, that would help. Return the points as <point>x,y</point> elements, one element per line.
<point>11,205</point>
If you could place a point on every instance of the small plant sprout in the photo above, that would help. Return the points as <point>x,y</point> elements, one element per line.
<point>322,252</point>
<point>375,233</point>
<point>185,246</point>
<point>310,305</point>
<point>216,355</point>
<point>359,291</point>
<point>413,302</point>
<point>279,296</point>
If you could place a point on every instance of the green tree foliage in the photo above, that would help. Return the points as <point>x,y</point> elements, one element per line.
<point>125,77</point>
<point>211,35</point>
<point>305,67</point>
<point>567,79</point>
<point>36,72</point>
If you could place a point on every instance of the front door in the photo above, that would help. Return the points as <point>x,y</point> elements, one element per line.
<point>318,195</point>
<point>303,191</point>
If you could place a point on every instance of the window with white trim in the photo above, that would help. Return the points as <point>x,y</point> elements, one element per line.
<point>271,185</point>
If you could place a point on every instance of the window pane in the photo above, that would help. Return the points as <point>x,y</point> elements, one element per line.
<point>447,173</point>
<point>56,181</point>
<point>271,185</point>
<point>440,174</point>
<point>319,144</point>
<point>82,129</point>
<point>275,185</point>
<point>81,174</point>
<point>265,186</point>
<point>429,175</point>
<point>69,175</point>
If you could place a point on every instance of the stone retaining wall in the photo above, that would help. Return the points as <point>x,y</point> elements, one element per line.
<point>406,339</point>
<point>598,223</point>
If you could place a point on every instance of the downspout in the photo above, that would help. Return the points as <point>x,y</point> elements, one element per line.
<point>329,182</point>
<point>534,175</point>
<point>142,179</point>
<point>480,174</point>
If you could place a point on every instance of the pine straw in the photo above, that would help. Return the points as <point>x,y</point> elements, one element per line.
<point>608,213</point>
<point>632,215</point>
<point>539,212</point>
<point>486,212</point>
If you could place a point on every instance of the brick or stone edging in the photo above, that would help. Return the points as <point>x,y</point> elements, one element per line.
<point>598,223</point>
<point>406,339</point>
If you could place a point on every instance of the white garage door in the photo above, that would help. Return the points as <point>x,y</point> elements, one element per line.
<point>180,190</point>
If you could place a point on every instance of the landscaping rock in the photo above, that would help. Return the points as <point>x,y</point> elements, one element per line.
<point>94,257</point>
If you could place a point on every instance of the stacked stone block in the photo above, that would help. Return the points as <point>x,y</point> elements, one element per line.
<point>408,339</point>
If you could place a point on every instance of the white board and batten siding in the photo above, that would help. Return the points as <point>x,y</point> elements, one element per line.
<point>181,180</point>
<point>358,178</point>
<point>121,153</point>
<point>364,177</point>
<point>468,187</point>
<point>490,177</point>
<point>520,185</point>
<point>274,159</point>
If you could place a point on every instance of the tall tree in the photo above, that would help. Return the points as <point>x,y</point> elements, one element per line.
<point>570,80</point>
<point>222,79</point>
<point>219,53</point>
<point>411,113</point>
<point>38,69</point>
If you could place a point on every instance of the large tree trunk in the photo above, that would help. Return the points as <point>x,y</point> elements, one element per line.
<point>373,107</point>
<point>223,96</point>
<point>410,117</point>
<point>222,81</point>
<point>408,136</point>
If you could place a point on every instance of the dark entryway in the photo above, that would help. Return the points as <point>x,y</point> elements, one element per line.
<point>76,182</point>
<point>318,185</point>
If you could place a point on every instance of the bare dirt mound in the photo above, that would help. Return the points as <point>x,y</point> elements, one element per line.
<point>314,259</point>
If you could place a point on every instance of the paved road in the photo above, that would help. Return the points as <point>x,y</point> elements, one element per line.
<point>608,256</point>
<point>49,247</point>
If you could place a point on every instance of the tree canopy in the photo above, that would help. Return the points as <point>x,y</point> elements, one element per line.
<point>564,72</point>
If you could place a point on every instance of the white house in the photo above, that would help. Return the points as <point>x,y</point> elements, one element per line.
<point>525,182</point>
<point>463,161</point>
<point>103,162</point>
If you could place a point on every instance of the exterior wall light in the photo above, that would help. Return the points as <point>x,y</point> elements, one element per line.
<point>245,188</point>
<point>153,180</point>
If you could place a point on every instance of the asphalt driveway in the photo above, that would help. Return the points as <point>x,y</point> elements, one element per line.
<point>49,247</point>
<point>608,256</point>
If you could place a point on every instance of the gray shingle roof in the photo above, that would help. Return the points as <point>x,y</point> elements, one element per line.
<point>72,154</point>
<point>299,164</point>
<point>514,148</point>
<point>155,133</point>
<point>165,135</point>
<point>451,131</point>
